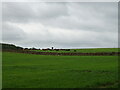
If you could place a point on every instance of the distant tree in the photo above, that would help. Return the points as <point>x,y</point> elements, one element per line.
<point>52,48</point>
<point>26,49</point>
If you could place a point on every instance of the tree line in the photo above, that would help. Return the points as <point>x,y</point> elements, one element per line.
<point>10,47</point>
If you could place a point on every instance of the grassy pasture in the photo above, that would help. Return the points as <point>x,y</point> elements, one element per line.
<point>37,71</point>
<point>92,50</point>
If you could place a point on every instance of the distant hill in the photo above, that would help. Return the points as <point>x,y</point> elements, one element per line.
<point>92,50</point>
<point>10,47</point>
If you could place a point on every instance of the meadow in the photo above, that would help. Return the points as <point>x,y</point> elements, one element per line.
<point>42,71</point>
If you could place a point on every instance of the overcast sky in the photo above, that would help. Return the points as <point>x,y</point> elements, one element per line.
<point>61,25</point>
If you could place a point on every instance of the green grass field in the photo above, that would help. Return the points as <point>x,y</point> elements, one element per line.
<point>37,71</point>
<point>92,50</point>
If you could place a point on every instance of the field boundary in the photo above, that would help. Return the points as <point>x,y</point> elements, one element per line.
<point>66,54</point>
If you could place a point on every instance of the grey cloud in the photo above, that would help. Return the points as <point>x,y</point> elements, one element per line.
<point>88,16</point>
<point>31,12</point>
<point>81,16</point>
<point>99,20</point>
<point>12,33</point>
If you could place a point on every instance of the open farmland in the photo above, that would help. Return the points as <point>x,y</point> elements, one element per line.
<point>42,71</point>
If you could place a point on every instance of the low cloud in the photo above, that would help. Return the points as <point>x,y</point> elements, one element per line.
<point>62,25</point>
